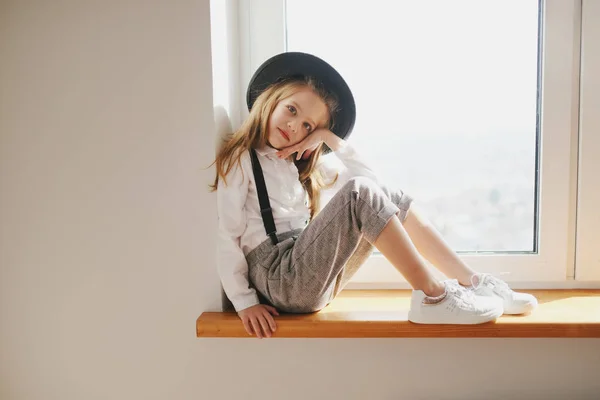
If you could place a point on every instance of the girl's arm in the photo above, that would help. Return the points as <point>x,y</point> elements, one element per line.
<point>233,268</point>
<point>354,164</point>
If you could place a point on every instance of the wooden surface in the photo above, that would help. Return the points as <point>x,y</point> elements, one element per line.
<point>383,313</point>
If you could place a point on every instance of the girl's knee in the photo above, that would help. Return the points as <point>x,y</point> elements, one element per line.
<point>360,183</point>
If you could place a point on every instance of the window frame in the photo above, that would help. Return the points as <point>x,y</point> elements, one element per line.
<point>587,268</point>
<point>554,263</point>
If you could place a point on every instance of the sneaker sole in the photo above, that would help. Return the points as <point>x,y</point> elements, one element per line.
<point>521,310</point>
<point>474,320</point>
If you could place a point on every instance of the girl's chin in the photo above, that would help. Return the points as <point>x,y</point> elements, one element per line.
<point>275,146</point>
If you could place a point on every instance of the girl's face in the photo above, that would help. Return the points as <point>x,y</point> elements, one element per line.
<point>294,118</point>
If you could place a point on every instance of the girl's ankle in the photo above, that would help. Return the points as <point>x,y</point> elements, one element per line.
<point>435,298</point>
<point>468,282</point>
<point>435,290</point>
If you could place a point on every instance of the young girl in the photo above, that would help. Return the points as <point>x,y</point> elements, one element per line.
<point>277,252</point>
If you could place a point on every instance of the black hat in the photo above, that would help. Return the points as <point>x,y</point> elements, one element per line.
<point>295,64</point>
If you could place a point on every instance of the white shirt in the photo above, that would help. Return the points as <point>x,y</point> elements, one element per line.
<point>241,227</point>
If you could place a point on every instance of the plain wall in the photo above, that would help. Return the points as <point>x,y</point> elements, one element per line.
<point>107,236</point>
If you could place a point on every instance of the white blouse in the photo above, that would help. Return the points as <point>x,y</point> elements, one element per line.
<point>241,227</point>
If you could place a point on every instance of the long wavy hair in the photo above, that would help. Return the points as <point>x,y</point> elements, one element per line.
<point>253,134</point>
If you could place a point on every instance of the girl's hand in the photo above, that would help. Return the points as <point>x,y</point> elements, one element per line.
<point>305,148</point>
<point>258,320</point>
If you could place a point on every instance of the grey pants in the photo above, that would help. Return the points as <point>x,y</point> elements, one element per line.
<point>310,266</point>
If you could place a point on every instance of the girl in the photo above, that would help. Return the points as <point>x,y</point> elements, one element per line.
<point>276,251</point>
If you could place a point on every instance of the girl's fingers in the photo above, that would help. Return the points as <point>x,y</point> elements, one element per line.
<point>270,321</point>
<point>256,327</point>
<point>272,310</point>
<point>265,325</point>
<point>247,326</point>
<point>299,150</point>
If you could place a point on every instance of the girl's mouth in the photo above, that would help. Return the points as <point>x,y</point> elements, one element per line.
<point>285,135</point>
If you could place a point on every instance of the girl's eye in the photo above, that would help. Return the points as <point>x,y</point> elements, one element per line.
<point>307,126</point>
<point>292,109</point>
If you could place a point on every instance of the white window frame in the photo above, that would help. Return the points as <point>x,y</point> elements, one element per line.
<point>587,267</point>
<point>554,263</point>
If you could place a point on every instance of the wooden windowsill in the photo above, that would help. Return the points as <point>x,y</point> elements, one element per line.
<point>383,313</point>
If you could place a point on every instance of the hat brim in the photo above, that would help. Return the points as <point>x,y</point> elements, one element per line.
<point>296,64</point>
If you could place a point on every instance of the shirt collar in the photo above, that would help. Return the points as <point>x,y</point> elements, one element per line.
<point>267,151</point>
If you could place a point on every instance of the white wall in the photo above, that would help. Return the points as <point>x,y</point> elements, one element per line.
<point>107,235</point>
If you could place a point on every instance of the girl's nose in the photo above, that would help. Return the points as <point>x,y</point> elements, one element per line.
<point>291,127</point>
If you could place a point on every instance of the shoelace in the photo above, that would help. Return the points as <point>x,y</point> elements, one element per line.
<point>465,295</point>
<point>496,284</point>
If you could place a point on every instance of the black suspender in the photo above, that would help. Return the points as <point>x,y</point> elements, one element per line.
<point>263,198</point>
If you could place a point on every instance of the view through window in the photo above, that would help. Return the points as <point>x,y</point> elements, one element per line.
<point>446,95</point>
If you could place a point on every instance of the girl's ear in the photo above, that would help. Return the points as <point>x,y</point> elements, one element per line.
<point>307,154</point>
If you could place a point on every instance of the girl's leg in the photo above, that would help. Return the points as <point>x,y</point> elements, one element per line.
<point>428,241</point>
<point>360,210</point>
<point>425,238</point>
<point>434,248</point>
<point>365,249</point>
<point>395,244</point>
<point>361,254</point>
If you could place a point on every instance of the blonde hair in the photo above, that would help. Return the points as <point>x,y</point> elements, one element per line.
<point>253,134</point>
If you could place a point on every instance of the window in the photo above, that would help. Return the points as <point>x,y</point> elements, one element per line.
<point>470,106</point>
<point>448,106</point>
<point>588,199</point>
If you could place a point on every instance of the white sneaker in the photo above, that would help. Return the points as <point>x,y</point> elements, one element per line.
<point>460,306</point>
<point>514,303</point>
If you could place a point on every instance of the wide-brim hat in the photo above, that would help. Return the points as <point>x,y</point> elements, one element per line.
<point>295,64</point>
